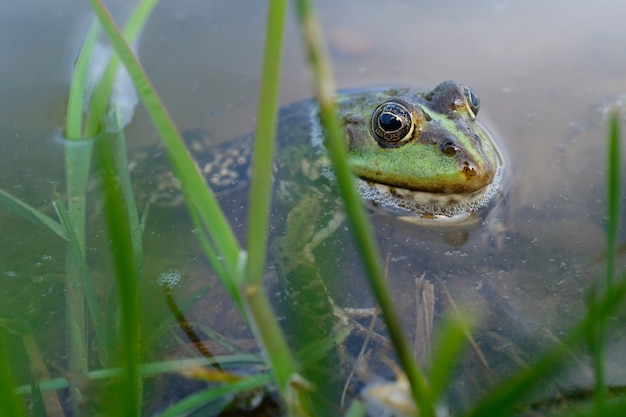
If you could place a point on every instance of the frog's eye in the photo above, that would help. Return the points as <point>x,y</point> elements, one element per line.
<point>472,100</point>
<point>392,124</point>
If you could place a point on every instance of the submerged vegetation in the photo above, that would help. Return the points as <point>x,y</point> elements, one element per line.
<point>120,368</point>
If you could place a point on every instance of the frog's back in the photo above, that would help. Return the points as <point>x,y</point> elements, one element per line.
<point>226,166</point>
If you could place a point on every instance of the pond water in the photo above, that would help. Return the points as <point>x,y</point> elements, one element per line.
<point>546,73</point>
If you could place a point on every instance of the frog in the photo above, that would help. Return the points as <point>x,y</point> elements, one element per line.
<point>414,153</point>
<point>417,155</point>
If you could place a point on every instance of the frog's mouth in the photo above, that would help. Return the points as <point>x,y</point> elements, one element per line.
<point>424,204</point>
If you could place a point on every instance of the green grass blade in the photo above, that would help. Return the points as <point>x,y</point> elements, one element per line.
<point>614,174</point>
<point>39,409</point>
<point>75,105</point>
<point>77,163</point>
<point>614,407</point>
<point>85,279</point>
<point>31,214</point>
<point>151,369</point>
<point>197,195</point>
<point>596,337</point>
<point>138,18</point>
<point>223,391</point>
<point>136,228</point>
<point>10,403</point>
<point>267,116</point>
<point>219,339</point>
<point>210,251</point>
<point>501,400</point>
<point>126,272</point>
<point>324,92</point>
<point>266,326</point>
<point>449,345</point>
<point>77,166</point>
<point>102,93</point>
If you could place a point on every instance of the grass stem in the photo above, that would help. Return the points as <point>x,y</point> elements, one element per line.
<point>324,91</point>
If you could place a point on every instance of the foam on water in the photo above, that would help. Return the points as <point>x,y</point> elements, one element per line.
<point>169,279</point>
<point>124,97</point>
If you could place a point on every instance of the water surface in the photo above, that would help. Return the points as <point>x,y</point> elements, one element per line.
<point>546,73</point>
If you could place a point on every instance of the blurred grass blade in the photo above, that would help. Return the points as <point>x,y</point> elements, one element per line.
<point>136,230</point>
<point>502,399</point>
<point>261,177</point>
<point>126,273</point>
<point>614,407</point>
<point>100,98</point>
<point>200,200</point>
<point>195,401</point>
<point>449,345</point>
<point>324,92</point>
<point>210,251</point>
<point>31,214</point>
<point>614,174</point>
<point>85,279</point>
<point>152,369</point>
<point>596,336</point>
<point>77,166</point>
<point>10,404</point>
<point>75,105</point>
<point>197,195</point>
<point>39,409</point>
<point>265,325</point>
<point>267,116</point>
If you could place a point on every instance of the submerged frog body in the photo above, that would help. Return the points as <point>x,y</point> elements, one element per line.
<point>414,152</point>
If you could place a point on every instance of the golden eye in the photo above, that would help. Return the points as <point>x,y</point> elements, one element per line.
<point>392,124</point>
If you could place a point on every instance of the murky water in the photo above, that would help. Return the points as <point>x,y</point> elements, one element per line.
<point>546,72</point>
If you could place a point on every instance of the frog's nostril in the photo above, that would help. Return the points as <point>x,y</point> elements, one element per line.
<point>469,170</point>
<point>449,148</point>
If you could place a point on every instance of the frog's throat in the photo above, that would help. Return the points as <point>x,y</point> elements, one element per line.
<point>423,203</point>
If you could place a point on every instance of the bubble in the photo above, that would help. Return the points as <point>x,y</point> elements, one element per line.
<point>124,97</point>
<point>169,278</point>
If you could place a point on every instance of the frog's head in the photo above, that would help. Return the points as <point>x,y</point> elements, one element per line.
<point>421,151</point>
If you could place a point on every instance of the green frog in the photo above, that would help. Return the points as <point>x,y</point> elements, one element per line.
<point>414,153</point>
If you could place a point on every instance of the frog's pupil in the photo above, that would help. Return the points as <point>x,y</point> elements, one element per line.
<point>389,122</point>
